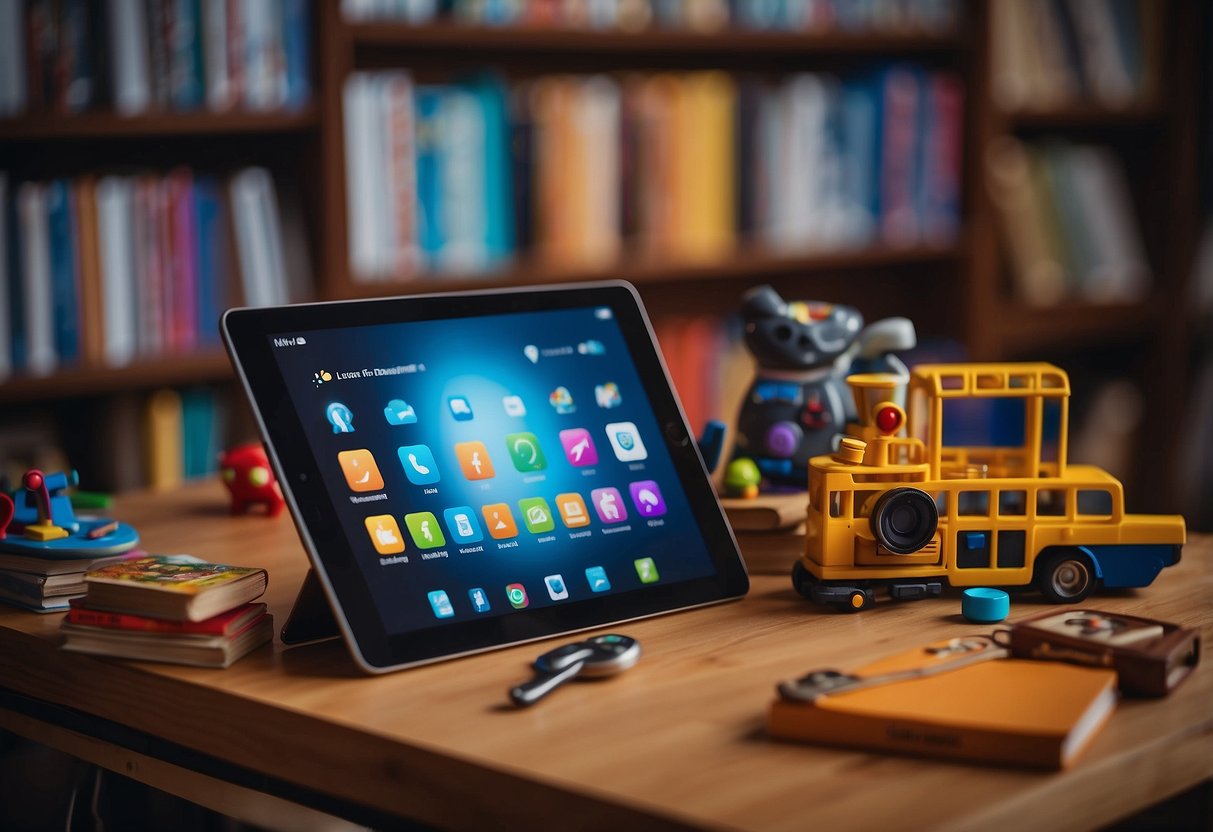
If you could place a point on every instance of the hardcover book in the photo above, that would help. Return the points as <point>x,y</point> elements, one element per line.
<point>173,587</point>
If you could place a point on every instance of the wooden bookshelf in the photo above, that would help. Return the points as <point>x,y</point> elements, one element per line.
<point>75,382</point>
<point>1074,325</point>
<point>1089,116</point>
<point>89,126</point>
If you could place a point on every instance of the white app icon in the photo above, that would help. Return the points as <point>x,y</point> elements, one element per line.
<point>626,442</point>
<point>556,587</point>
<point>386,537</point>
<point>513,406</point>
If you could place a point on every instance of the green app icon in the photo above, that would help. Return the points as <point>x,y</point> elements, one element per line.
<point>647,570</point>
<point>525,451</point>
<point>424,528</point>
<point>536,515</point>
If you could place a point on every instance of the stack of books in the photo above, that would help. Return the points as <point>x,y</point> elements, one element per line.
<point>45,584</point>
<point>170,608</point>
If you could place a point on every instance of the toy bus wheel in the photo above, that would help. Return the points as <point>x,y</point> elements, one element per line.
<point>801,581</point>
<point>904,520</point>
<point>1065,577</point>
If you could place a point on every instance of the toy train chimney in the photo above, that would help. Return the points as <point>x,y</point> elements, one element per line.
<point>876,396</point>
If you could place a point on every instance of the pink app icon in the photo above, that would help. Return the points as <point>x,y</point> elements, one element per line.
<point>609,504</point>
<point>579,447</point>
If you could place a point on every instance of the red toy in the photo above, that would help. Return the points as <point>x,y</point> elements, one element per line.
<point>246,473</point>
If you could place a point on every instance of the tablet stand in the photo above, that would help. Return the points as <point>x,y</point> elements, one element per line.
<point>311,618</point>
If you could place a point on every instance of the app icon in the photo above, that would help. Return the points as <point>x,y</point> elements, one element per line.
<point>513,406</point>
<point>424,529</point>
<point>597,579</point>
<point>460,407</point>
<point>536,515</point>
<point>647,570</point>
<point>646,496</point>
<point>609,504</point>
<point>626,442</point>
<point>385,534</point>
<point>321,377</point>
<point>532,353</point>
<point>517,595</point>
<point>479,599</point>
<point>339,417</point>
<point>557,591</point>
<point>441,604</point>
<point>399,412</point>
<point>572,510</point>
<point>562,400</point>
<point>418,463</point>
<point>579,447</point>
<point>591,347</point>
<point>607,395</point>
<point>474,460</point>
<point>525,451</point>
<point>500,521</point>
<point>360,470</point>
<point>464,526</point>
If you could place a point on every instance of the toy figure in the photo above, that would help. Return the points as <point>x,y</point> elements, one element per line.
<point>246,473</point>
<point>798,404</point>
<point>38,518</point>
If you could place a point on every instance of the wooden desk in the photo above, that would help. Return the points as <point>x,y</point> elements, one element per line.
<point>677,741</point>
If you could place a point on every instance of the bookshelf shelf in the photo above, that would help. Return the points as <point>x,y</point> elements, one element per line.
<point>89,126</point>
<point>1025,329</point>
<point>104,381</point>
<point>1088,115</point>
<point>447,37</point>
<point>753,265</point>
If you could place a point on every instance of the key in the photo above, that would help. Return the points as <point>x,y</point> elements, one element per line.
<point>596,657</point>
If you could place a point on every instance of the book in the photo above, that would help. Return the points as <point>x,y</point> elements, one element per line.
<point>173,587</point>
<point>39,587</point>
<point>767,512</point>
<point>225,624</point>
<point>1007,711</point>
<point>197,650</point>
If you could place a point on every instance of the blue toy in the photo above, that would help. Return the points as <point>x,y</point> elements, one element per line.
<point>42,522</point>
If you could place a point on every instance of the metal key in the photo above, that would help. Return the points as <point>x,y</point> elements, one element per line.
<point>596,657</point>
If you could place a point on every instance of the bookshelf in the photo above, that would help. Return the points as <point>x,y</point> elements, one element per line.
<point>959,290</point>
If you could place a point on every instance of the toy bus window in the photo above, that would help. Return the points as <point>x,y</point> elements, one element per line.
<point>1011,549</point>
<point>836,504</point>
<point>1012,503</point>
<point>952,382</point>
<point>1050,435</point>
<point>941,503</point>
<point>1097,503</point>
<point>989,381</point>
<point>972,550</point>
<point>973,503</point>
<point>1050,502</point>
<point>1020,381</point>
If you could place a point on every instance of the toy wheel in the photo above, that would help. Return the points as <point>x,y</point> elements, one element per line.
<point>801,580</point>
<point>1065,577</point>
<point>904,520</point>
<point>858,600</point>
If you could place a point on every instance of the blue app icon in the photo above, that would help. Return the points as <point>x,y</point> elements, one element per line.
<point>340,417</point>
<point>441,603</point>
<point>419,465</point>
<point>399,412</point>
<point>479,599</point>
<point>464,526</point>
<point>597,578</point>
<point>460,407</point>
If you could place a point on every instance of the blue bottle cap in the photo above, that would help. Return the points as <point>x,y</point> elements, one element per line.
<point>983,605</point>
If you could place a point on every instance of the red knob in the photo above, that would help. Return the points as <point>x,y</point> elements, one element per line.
<point>34,480</point>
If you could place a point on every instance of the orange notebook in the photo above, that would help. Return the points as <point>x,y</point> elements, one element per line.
<point>1012,711</point>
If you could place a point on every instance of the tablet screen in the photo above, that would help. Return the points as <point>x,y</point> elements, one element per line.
<point>485,466</point>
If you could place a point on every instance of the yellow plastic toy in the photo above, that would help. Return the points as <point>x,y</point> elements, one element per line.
<point>896,508</point>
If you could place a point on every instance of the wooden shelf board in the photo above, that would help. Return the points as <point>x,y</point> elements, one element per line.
<point>753,266</point>
<point>89,381</point>
<point>1073,324</point>
<point>1088,115</point>
<point>525,39</point>
<point>161,125</point>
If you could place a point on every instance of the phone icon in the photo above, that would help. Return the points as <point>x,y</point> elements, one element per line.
<point>464,526</point>
<point>361,472</point>
<point>500,521</point>
<point>424,529</point>
<point>418,463</point>
<point>646,496</point>
<point>536,515</point>
<point>525,452</point>
<point>385,534</point>
<point>557,590</point>
<point>517,595</point>
<point>609,504</point>
<point>474,460</point>
<point>572,510</point>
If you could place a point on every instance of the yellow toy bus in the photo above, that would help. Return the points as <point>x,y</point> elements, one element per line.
<point>896,508</point>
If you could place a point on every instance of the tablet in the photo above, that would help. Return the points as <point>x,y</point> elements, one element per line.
<point>478,469</point>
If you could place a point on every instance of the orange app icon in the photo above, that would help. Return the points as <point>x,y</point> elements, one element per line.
<point>474,459</point>
<point>360,469</point>
<point>385,534</point>
<point>572,510</point>
<point>500,521</point>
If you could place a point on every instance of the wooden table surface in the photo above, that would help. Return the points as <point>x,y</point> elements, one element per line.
<point>677,741</point>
